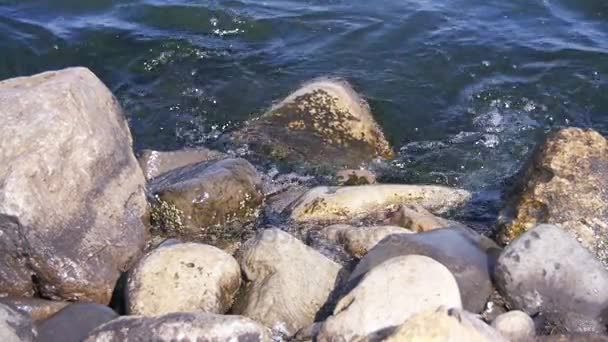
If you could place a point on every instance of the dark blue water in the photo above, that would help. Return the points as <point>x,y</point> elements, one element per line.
<point>463,88</point>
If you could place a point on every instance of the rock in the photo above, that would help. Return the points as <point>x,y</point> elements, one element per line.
<point>359,240</point>
<point>388,295</point>
<point>444,324</point>
<point>416,218</point>
<point>36,308</point>
<point>547,271</point>
<point>563,184</point>
<point>74,322</point>
<point>574,338</point>
<point>181,326</point>
<point>309,333</point>
<point>453,248</point>
<point>71,191</point>
<point>156,163</point>
<point>516,326</point>
<point>355,177</point>
<point>324,124</point>
<point>15,326</point>
<point>289,282</point>
<point>181,278</point>
<point>199,201</point>
<point>349,202</point>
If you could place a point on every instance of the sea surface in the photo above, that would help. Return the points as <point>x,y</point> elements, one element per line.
<point>463,88</point>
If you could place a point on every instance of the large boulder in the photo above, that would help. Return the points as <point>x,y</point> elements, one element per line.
<point>388,295</point>
<point>180,326</point>
<point>74,322</point>
<point>15,326</point>
<point>563,184</point>
<point>36,308</point>
<point>452,247</point>
<point>183,277</point>
<point>326,203</point>
<point>546,271</point>
<point>288,282</point>
<point>155,163</point>
<point>71,191</point>
<point>323,124</point>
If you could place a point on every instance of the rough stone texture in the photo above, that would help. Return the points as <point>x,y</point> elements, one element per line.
<point>416,218</point>
<point>181,278</point>
<point>357,241</point>
<point>15,326</point>
<point>516,326</point>
<point>191,326</point>
<point>289,282</point>
<point>350,202</point>
<point>355,177</point>
<point>74,323</point>
<point>547,271</point>
<point>445,325</point>
<point>390,294</point>
<point>452,247</point>
<point>323,124</point>
<point>563,184</point>
<point>71,191</point>
<point>206,195</point>
<point>36,308</point>
<point>156,163</point>
<point>573,338</point>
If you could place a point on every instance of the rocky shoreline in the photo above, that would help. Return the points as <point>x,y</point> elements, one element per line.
<point>277,232</point>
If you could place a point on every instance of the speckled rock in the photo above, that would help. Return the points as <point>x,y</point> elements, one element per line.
<point>74,322</point>
<point>357,241</point>
<point>355,177</point>
<point>191,326</point>
<point>323,124</point>
<point>388,295</point>
<point>546,271</point>
<point>16,326</point>
<point>563,184</point>
<point>351,202</point>
<point>182,278</point>
<point>36,308</point>
<point>453,247</point>
<point>573,338</point>
<point>155,163</point>
<point>71,191</point>
<point>288,282</point>
<point>516,326</point>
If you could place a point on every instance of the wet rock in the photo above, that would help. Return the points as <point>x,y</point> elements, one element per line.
<point>388,295</point>
<point>546,271</point>
<point>191,326</point>
<point>359,240</point>
<point>156,163</point>
<point>416,218</point>
<point>71,191</point>
<point>183,277</point>
<point>36,308</point>
<point>453,248</point>
<point>351,202</point>
<point>324,124</point>
<point>74,322</point>
<point>355,177</point>
<point>563,184</point>
<point>445,324</point>
<point>199,201</point>
<point>516,326</point>
<point>15,326</point>
<point>289,282</point>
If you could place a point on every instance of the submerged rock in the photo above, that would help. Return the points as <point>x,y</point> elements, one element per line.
<point>156,163</point>
<point>564,184</point>
<point>516,326</point>
<point>15,326</point>
<point>191,326</point>
<point>389,295</point>
<point>357,241</point>
<point>289,282</point>
<point>349,202</point>
<point>74,323</point>
<point>71,191</point>
<point>546,271</point>
<point>183,277</point>
<point>324,124</point>
<point>36,308</point>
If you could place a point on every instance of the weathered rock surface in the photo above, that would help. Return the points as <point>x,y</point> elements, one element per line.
<point>155,163</point>
<point>573,338</point>
<point>181,278</point>
<point>355,177</point>
<point>547,271</point>
<point>349,202</point>
<point>357,241</point>
<point>71,191</point>
<point>563,184</point>
<point>516,326</point>
<point>191,326</point>
<point>195,198</point>
<point>323,124</point>
<point>289,282</point>
<point>416,218</point>
<point>453,248</point>
<point>388,295</point>
<point>15,326</point>
<point>36,308</point>
<point>74,322</point>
